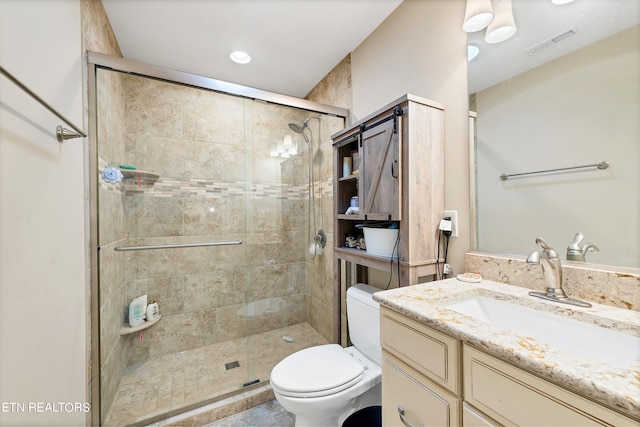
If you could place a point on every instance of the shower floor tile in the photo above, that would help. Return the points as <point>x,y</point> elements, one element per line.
<point>173,381</point>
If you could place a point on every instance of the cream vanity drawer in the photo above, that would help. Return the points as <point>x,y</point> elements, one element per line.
<point>432,353</point>
<point>411,399</point>
<point>515,397</point>
<point>473,418</point>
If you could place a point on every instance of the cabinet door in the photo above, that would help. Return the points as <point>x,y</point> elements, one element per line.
<point>381,172</point>
<point>516,398</point>
<point>410,399</point>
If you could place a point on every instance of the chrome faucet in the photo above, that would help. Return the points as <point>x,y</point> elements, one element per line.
<point>552,271</point>
<point>576,251</point>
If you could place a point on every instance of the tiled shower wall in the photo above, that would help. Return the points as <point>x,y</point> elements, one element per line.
<point>217,183</point>
<point>334,89</point>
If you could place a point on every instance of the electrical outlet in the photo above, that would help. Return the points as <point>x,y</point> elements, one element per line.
<point>454,222</point>
<point>447,269</point>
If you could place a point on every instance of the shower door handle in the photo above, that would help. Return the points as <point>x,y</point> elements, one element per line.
<point>177,245</point>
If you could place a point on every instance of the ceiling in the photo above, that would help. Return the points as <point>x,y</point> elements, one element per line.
<point>295,43</point>
<point>540,20</point>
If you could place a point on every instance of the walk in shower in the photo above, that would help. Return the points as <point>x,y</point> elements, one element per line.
<point>211,167</point>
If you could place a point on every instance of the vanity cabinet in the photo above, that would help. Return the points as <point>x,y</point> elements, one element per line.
<point>397,175</point>
<point>420,374</point>
<point>430,378</point>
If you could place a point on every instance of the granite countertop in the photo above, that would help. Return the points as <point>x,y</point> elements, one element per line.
<point>613,386</point>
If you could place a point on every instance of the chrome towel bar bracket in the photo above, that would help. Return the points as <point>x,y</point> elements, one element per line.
<point>62,134</point>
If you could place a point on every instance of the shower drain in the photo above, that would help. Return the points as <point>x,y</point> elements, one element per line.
<point>231,365</point>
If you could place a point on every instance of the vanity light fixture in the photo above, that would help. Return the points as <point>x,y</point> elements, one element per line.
<point>477,16</point>
<point>240,57</point>
<point>561,1</point>
<point>503,26</point>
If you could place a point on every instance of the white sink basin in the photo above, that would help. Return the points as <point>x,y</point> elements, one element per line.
<point>594,342</point>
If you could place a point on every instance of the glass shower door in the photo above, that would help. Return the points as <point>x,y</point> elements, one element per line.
<point>189,186</point>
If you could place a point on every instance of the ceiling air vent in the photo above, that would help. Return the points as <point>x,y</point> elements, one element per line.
<point>552,41</point>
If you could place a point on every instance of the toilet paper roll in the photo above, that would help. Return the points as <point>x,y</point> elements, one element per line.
<point>346,166</point>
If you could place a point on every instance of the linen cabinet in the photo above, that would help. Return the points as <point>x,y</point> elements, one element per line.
<point>392,163</point>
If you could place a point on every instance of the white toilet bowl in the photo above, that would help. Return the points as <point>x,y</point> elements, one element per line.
<point>325,384</point>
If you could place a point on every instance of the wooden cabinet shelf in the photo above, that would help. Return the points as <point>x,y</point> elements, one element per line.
<point>353,217</point>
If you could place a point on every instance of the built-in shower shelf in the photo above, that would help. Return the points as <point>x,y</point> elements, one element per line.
<point>126,329</point>
<point>139,177</point>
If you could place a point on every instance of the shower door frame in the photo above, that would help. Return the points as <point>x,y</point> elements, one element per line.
<point>97,61</point>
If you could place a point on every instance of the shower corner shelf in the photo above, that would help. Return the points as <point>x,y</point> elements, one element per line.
<point>134,176</point>
<point>126,329</point>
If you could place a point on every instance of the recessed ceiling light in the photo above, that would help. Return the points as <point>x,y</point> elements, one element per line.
<point>240,57</point>
<point>472,52</point>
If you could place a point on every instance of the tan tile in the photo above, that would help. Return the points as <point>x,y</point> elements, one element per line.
<point>173,380</point>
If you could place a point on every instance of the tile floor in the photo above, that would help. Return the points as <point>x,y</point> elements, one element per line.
<point>270,414</point>
<point>171,382</point>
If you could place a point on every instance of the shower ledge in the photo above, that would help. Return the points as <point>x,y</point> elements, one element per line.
<point>139,177</point>
<point>126,329</point>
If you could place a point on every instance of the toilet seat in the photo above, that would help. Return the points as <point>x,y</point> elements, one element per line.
<point>316,371</point>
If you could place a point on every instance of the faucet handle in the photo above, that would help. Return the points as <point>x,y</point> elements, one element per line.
<point>541,242</point>
<point>548,249</point>
<point>575,245</point>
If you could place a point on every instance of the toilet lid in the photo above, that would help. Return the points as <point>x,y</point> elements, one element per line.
<point>316,371</point>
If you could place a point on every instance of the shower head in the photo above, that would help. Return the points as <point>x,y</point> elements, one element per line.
<point>298,128</point>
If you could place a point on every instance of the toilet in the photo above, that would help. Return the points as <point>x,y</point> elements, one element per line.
<point>325,384</point>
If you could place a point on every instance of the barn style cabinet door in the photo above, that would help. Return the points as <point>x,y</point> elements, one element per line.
<point>381,170</point>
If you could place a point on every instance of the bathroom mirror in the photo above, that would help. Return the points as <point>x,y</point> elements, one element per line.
<point>561,93</point>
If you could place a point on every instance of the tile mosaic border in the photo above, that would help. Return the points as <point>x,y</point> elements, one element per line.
<point>171,187</point>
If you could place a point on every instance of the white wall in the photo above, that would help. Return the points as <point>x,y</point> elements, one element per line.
<point>421,49</point>
<point>42,224</point>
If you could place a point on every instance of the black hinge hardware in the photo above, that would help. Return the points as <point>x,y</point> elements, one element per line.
<point>397,111</point>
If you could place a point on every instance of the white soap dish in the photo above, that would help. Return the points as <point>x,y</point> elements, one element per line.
<point>470,277</point>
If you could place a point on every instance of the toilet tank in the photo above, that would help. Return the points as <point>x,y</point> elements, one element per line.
<point>363,316</point>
